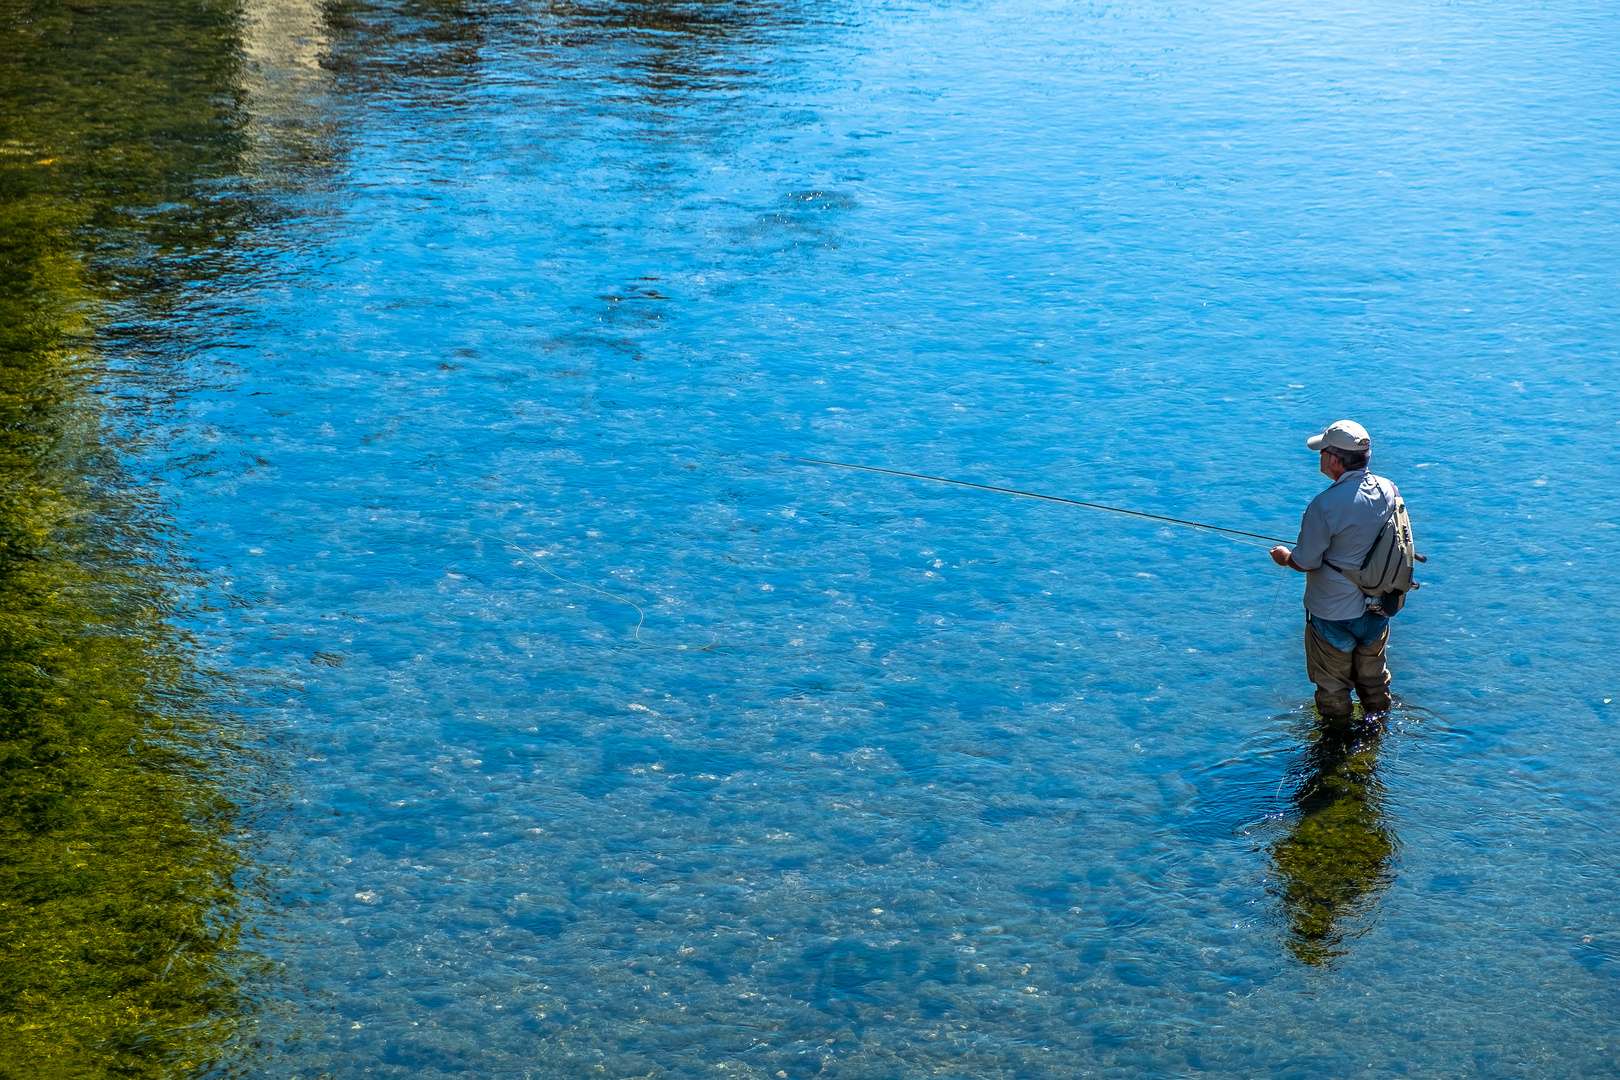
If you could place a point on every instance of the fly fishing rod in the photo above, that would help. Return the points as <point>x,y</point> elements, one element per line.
<point>1047,498</point>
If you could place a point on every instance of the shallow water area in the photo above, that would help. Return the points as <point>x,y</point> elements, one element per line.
<point>889,778</point>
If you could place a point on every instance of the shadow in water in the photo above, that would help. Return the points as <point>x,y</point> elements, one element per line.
<point>1338,856</point>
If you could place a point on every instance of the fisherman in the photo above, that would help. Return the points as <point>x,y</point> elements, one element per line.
<point>1344,643</point>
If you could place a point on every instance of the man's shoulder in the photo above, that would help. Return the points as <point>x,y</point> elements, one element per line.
<point>1340,498</point>
<point>1386,483</point>
<point>1328,496</point>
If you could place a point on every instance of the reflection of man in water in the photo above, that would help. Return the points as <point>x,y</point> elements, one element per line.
<point>1344,645</point>
<point>1337,855</point>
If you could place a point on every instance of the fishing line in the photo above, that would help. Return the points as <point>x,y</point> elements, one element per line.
<point>539,561</point>
<point>1235,535</point>
<point>641,614</point>
<point>1219,529</point>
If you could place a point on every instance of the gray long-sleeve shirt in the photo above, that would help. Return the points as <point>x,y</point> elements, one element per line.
<point>1339,527</point>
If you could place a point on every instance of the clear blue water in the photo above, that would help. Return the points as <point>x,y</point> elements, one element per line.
<point>896,779</point>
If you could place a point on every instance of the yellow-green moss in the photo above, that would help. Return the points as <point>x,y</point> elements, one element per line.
<point>116,899</point>
<point>1337,857</point>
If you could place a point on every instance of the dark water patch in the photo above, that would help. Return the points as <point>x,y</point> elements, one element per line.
<point>1054,895</point>
<point>1111,1037</point>
<point>851,971</point>
<point>1600,956</point>
<point>400,838</point>
<point>546,924</point>
<point>1136,973</point>
<point>1000,816</point>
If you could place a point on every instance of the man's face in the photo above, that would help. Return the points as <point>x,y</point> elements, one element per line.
<point>1325,464</point>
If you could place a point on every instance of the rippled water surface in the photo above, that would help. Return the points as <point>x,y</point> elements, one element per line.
<point>606,739</point>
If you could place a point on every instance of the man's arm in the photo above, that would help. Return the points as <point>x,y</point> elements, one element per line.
<point>1314,537</point>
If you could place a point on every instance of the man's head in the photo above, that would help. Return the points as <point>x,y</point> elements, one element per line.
<point>1344,447</point>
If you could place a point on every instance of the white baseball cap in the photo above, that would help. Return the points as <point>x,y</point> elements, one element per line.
<point>1342,435</point>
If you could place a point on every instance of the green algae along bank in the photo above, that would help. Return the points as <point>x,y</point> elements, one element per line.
<point>117,932</point>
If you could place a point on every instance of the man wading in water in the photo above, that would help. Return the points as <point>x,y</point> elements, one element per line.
<point>1344,642</point>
